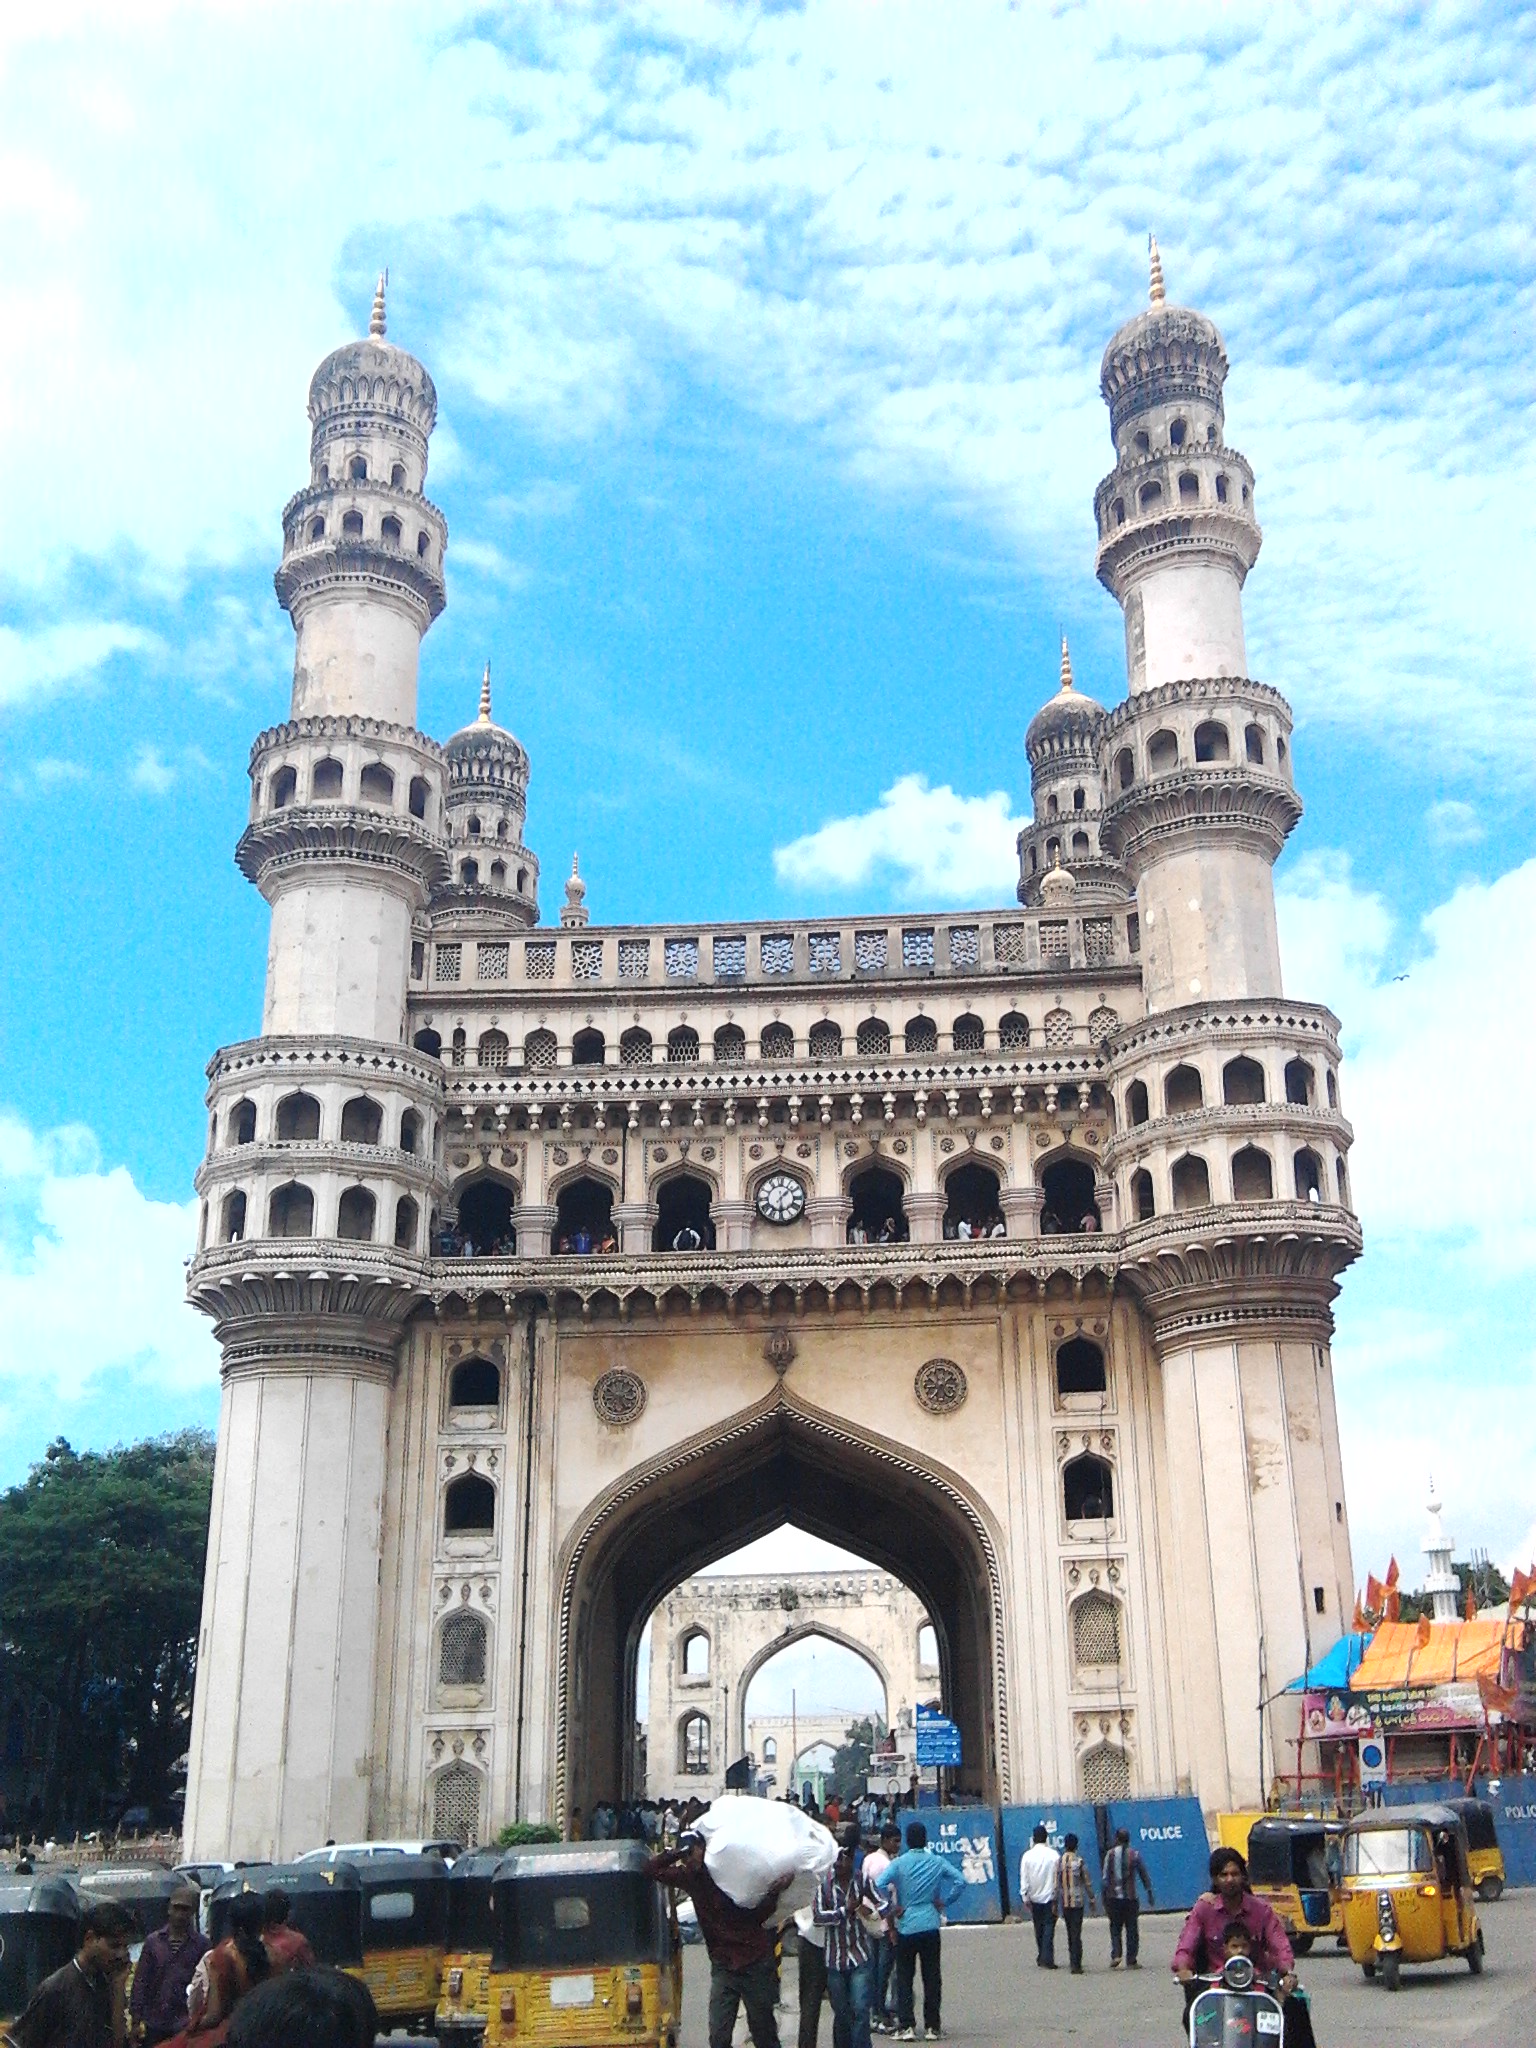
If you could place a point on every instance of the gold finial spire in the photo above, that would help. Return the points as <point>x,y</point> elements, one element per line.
<point>575,865</point>
<point>1157,295</point>
<point>1066,666</point>
<point>485,696</point>
<point>376,319</point>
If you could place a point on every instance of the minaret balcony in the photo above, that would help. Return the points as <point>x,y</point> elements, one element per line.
<point>302,837</point>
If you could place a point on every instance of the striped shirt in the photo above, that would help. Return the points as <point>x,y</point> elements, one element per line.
<point>1071,1880</point>
<point>840,1909</point>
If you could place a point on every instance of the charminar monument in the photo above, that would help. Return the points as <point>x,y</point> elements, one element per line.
<point>551,1262</point>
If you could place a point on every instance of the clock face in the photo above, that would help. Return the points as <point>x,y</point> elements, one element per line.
<point>780,1198</point>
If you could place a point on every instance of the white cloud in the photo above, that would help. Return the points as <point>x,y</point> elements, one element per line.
<point>156,776</point>
<point>91,1271</point>
<point>1452,823</point>
<point>62,657</point>
<point>932,845</point>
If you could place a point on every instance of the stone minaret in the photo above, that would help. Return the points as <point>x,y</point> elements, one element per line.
<point>1441,1582</point>
<point>319,1180</point>
<point>1230,1151</point>
<point>1066,792</point>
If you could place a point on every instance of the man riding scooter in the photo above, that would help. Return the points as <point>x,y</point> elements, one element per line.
<point>1202,1946</point>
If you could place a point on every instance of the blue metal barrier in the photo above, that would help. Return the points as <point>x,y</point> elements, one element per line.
<point>1020,1822</point>
<point>1170,1835</point>
<point>967,1837</point>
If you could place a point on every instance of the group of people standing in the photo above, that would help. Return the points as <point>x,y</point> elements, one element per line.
<point>1055,1885</point>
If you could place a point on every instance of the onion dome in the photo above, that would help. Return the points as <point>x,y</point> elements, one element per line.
<point>1167,354</point>
<point>373,380</point>
<point>487,742</point>
<point>1067,718</point>
<point>574,913</point>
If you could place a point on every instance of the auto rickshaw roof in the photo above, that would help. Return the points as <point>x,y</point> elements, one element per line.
<point>55,1895</point>
<point>298,1880</point>
<point>476,1865</point>
<point>1431,1814</point>
<point>131,1880</point>
<point>1469,1806</point>
<point>573,1859</point>
<point>389,1873</point>
<point>1292,1824</point>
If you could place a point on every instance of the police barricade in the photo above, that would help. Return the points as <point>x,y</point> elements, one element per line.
<point>1169,1835</point>
<point>1513,1801</point>
<point>1019,1824</point>
<point>967,1837</point>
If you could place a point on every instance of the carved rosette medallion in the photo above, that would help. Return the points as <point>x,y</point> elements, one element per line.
<point>619,1397</point>
<point>940,1386</point>
<point>779,1350</point>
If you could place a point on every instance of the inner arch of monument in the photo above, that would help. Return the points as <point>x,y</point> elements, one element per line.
<point>787,1464</point>
<point>791,1637</point>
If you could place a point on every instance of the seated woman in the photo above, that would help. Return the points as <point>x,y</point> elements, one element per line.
<point>225,1975</point>
<point>1229,1906</point>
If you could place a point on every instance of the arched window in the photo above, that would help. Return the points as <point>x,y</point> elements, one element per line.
<point>1079,799</point>
<point>695,1654</point>
<point>362,1121</point>
<point>973,1204</point>
<point>475,1383</point>
<point>874,1039</point>
<point>1253,744</point>
<point>1211,742</point>
<point>285,784</point>
<point>501,829</point>
<point>397,477</point>
<point>485,1219</point>
<point>1143,442</point>
<point>498,874</point>
<point>539,1051</point>
<point>469,873</point>
<point>325,781</point>
<point>635,1048</point>
<point>423,542</point>
<point>418,796</point>
<point>457,1804</point>
<point>1183,1091</point>
<point>410,1132</point>
<point>357,469</point>
<point>492,1049</point>
<point>522,879</point>
<point>317,529</point>
<point>922,1035</point>
<point>878,1215</point>
<point>1280,750</point>
<point>826,1041</point>
<point>1253,1176</point>
<point>1150,494</point>
<point>1137,1108</point>
<point>1080,1367</point>
<point>1052,807</point>
<point>1222,489</point>
<point>291,1211</point>
<point>1125,768</point>
<point>770,1750</point>
<point>970,1034</point>
<point>472,827</point>
<point>1162,752</point>
<point>682,1046</point>
<point>1177,432</point>
<point>1309,1176</point>
<point>232,1217</point>
<point>242,1123</point>
<point>927,1647</point>
<point>389,530</point>
<point>683,1222</point>
<point>1080,846</point>
<point>730,1046</point>
<point>457,1046</point>
<point>693,1745</point>
<point>298,1119</point>
<point>469,1505</point>
<point>1300,1082</point>
<point>1189,487</point>
<point>1341,1175</point>
<point>461,1650</point>
<point>1013,1031</point>
<point>376,785</point>
<point>588,1049</point>
<point>429,1042</point>
<point>1069,1203</point>
<point>351,525</point>
<point>1333,1089</point>
<point>1242,1080</point>
<point>1117,511</point>
<point>407,1224</point>
<point>1106,1774</point>
<point>1191,1182</point>
<point>584,1217</point>
<point>355,1213</point>
<point>1088,1489</point>
<point>1096,1631</point>
<point>777,1042</point>
<point>1143,1199</point>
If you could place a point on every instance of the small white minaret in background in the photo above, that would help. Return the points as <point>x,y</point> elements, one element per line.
<point>1440,1582</point>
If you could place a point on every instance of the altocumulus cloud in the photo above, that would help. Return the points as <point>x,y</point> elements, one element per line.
<point>931,845</point>
<point>62,657</point>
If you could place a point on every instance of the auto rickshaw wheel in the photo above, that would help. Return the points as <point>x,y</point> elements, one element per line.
<point>1301,1944</point>
<point>1368,1971</point>
<point>1475,1955</point>
<point>1491,1888</point>
<point>1392,1970</point>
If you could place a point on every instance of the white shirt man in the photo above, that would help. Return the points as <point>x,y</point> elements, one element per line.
<point>1037,1889</point>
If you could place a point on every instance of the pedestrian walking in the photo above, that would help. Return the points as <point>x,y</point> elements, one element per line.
<point>812,1975</point>
<point>1123,1870</point>
<point>919,1884</point>
<point>844,1899</point>
<point>1037,1888</point>
<point>740,1941</point>
<point>876,1864</point>
<point>1074,1892</point>
<point>74,2008</point>
<point>157,2005</point>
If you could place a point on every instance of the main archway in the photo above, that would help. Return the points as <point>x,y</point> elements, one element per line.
<point>780,1462</point>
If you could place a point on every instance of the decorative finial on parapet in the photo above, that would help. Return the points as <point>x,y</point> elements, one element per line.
<point>376,319</point>
<point>485,696</point>
<point>1066,666</point>
<point>1157,294</point>
<point>575,911</point>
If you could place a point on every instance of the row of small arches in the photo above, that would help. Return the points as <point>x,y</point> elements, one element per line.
<point>391,533</point>
<point>1243,1083</point>
<point>683,1046</point>
<point>496,875</point>
<point>327,785</point>
<point>1151,494</point>
<point>296,1120</point>
<point>1253,1180</point>
<point>1212,745</point>
<point>291,1213</point>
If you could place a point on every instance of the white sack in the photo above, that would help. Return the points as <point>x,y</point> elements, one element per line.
<point>750,1844</point>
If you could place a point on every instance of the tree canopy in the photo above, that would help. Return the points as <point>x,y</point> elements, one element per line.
<point>101,1580</point>
<point>850,1766</point>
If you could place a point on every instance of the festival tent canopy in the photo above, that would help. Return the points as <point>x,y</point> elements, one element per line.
<point>1333,1670</point>
<point>1438,1653</point>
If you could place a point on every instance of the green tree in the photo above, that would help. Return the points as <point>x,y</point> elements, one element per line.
<point>101,1580</point>
<point>1491,1586</point>
<point>850,1765</point>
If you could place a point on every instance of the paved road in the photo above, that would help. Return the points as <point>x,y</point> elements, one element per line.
<point>993,1994</point>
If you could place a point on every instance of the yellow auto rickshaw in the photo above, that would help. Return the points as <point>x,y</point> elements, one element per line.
<point>1289,1867</point>
<point>39,1924</point>
<point>462,1994</point>
<point>586,1950</point>
<point>1407,1891</point>
<point>1483,1852</point>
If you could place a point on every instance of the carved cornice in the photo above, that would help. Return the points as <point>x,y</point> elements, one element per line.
<point>365,567</point>
<point>1196,692</point>
<point>356,1060</point>
<point>1226,534</point>
<point>1271,1018</point>
<point>1248,1266</point>
<point>336,727</point>
<point>376,842</point>
<point>303,1158</point>
<point>1226,801</point>
<point>1305,1122</point>
<point>1164,353</point>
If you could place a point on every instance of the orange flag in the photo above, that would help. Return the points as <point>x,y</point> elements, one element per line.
<point>1425,1632</point>
<point>1391,1573</point>
<point>1358,1624</point>
<point>1496,1698</point>
<point>1375,1593</point>
<point>1469,1605</point>
<point>1394,1605</point>
<point>1521,1588</point>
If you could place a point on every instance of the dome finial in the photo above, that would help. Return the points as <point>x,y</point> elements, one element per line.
<point>376,319</point>
<point>1156,295</point>
<point>575,911</point>
<point>485,696</point>
<point>1066,666</point>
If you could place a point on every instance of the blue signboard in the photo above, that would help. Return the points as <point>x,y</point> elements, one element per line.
<point>1019,1824</point>
<point>967,1837</point>
<point>938,1739</point>
<point>1170,1835</point>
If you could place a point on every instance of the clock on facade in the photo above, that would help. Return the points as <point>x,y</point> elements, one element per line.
<point>780,1198</point>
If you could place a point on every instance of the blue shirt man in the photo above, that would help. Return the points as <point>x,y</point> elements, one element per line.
<point>918,1884</point>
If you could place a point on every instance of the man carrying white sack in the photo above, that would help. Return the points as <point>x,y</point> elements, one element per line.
<point>739,1940</point>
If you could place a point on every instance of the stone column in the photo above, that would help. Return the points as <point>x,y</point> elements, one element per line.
<point>828,1217</point>
<point>925,1214</point>
<point>534,1223</point>
<point>733,1226</point>
<point>636,1222</point>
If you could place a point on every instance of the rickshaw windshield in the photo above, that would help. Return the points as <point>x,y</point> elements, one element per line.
<point>471,1920</point>
<point>1387,1852</point>
<point>1479,1823</point>
<point>330,1922</point>
<point>565,1922</point>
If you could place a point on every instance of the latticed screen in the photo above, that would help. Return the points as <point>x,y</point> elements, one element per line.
<point>1008,944</point>
<point>869,951</point>
<point>1053,940</point>
<point>1096,1630</point>
<point>922,1035</point>
<point>586,959</point>
<point>449,962</point>
<point>634,959</point>
<point>964,945</point>
<point>682,958</point>
<point>970,1035</point>
<point>461,1653</point>
<point>778,1042</point>
<point>1106,1775</point>
<point>539,1052</point>
<point>1058,1027</point>
<point>683,1046</point>
<point>1098,940</point>
<point>456,1805</point>
<point>730,957</point>
<point>777,952</point>
<point>493,1048</point>
<point>635,1049</point>
<point>874,1039</point>
<point>539,959</point>
<point>825,954</point>
<point>1013,1032</point>
<point>491,961</point>
<point>1103,1023</point>
<point>917,947</point>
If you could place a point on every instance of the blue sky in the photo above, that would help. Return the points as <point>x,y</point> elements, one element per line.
<point>767,345</point>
